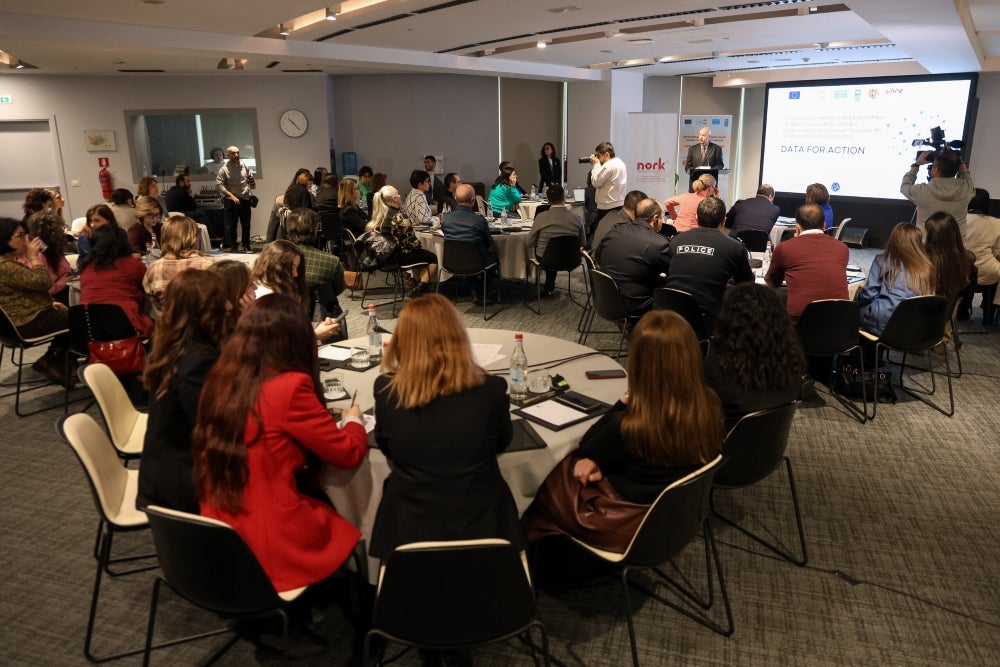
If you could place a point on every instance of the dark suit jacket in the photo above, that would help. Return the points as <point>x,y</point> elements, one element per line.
<point>436,192</point>
<point>464,224</point>
<point>445,482</point>
<point>713,158</point>
<point>549,173</point>
<point>752,213</point>
<point>179,199</point>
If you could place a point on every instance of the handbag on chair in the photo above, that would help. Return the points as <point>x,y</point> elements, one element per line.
<point>123,357</point>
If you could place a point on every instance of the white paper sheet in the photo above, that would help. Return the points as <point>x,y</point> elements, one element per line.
<point>335,353</point>
<point>487,354</point>
<point>369,423</point>
<point>554,412</point>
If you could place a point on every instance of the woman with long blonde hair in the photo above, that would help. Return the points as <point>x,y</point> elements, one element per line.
<point>667,425</point>
<point>902,271</point>
<point>683,209</point>
<point>441,420</point>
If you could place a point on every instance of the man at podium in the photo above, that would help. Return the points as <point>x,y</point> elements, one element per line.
<point>703,158</point>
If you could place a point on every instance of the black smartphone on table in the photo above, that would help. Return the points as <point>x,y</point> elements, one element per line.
<point>605,375</point>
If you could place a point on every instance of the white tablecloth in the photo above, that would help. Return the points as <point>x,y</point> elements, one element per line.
<point>356,493</point>
<point>783,225</point>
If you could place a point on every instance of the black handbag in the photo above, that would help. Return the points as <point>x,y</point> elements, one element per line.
<point>374,249</point>
<point>849,382</point>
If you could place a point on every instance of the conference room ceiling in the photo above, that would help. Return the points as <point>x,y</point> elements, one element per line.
<point>745,42</point>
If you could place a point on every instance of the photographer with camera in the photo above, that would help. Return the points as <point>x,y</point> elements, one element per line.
<point>944,192</point>
<point>609,176</point>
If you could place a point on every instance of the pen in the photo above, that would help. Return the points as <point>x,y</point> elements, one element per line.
<point>540,397</point>
<point>353,398</point>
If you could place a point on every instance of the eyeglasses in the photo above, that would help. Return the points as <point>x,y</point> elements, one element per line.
<point>154,216</point>
<point>19,234</point>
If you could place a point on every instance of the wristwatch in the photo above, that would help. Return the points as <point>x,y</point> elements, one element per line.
<point>915,165</point>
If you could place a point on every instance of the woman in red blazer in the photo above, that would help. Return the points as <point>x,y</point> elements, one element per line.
<point>260,417</point>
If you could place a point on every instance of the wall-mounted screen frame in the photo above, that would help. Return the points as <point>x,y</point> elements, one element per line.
<point>166,142</point>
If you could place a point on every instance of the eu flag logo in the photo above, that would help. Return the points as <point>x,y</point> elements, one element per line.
<point>793,94</point>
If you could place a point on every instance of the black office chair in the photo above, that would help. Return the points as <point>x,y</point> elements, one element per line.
<point>462,258</point>
<point>606,301</point>
<point>682,303</point>
<point>916,327</point>
<point>672,522</point>
<point>754,239</point>
<point>394,269</point>
<point>542,208</point>
<point>836,232</point>
<point>11,339</point>
<point>753,450</point>
<point>829,328</point>
<point>562,253</point>
<point>331,230</point>
<point>454,595</point>
<point>668,230</point>
<point>208,564</point>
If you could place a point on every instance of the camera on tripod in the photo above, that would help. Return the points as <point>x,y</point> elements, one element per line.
<point>936,144</point>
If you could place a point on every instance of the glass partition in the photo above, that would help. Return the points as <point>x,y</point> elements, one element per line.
<point>166,142</point>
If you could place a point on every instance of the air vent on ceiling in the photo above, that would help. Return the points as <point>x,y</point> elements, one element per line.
<point>272,64</point>
<point>142,71</point>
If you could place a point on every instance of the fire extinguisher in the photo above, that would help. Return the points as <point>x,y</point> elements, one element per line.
<point>106,187</point>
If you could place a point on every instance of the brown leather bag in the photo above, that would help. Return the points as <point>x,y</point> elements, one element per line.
<point>593,513</point>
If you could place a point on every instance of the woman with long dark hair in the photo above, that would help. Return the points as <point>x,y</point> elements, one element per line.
<point>505,195</point>
<point>110,274</point>
<point>549,168</point>
<point>50,228</point>
<point>441,420</point>
<point>197,317</point>
<point>667,425</point>
<point>756,360</point>
<point>236,284</point>
<point>902,271</point>
<point>351,215</point>
<point>97,216</point>
<point>250,444</point>
<point>954,266</point>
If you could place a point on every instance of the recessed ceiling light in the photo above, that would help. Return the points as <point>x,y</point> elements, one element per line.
<point>541,44</point>
<point>640,42</point>
<point>330,14</point>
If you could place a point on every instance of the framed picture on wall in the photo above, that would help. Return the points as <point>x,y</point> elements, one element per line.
<point>99,140</point>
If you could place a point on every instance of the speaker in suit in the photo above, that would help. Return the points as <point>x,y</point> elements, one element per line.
<point>703,154</point>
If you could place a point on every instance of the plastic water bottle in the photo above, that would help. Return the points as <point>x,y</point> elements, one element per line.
<point>518,370</point>
<point>148,258</point>
<point>155,247</point>
<point>489,212</point>
<point>534,192</point>
<point>503,218</point>
<point>374,336</point>
<point>766,264</point>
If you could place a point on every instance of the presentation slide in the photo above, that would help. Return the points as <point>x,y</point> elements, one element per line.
<point>856,137</point>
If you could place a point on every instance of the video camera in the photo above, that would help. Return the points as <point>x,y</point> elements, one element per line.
<point>584,160</point>
<point>937,144</point>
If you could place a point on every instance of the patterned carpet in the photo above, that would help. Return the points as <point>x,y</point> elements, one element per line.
<point>899,519</point>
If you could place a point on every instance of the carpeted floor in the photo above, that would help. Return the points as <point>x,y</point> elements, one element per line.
<point>899,518</point>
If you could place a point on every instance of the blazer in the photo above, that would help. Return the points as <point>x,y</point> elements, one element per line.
<point>445,482</point>
<point>297,539</point>
<point>549,173</point>
<point>713,157</point>
<point>165,477</point>
<point>752,213</point>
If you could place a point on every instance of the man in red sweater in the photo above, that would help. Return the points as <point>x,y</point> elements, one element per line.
<point>813,265</point>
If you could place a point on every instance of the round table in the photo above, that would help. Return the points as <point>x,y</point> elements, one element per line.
<point>512,249</point>
<point>356,493</point>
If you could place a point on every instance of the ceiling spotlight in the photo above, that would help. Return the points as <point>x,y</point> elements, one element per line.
<point>489,51</point>
<point>283,31</point>
<point>541,44</point>
<point>698,23</point>
<point>330,14</point>
<point>18,64</point>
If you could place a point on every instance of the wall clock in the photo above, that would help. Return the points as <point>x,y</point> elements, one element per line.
<point>294,123</point>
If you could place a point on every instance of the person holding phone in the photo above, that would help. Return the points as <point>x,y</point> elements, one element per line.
<point>667,425</point>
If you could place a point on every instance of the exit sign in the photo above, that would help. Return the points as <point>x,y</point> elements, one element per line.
<point>6,99</point>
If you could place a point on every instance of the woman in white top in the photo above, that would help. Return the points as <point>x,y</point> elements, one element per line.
<point>416,207</point>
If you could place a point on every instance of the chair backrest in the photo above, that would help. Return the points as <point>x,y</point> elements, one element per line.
<point>668,230</point>
<point>829,326</point>
<point>9,335</point>
<point>562,253</point>
<point>209,564</point>
<point>839,229</point>
<point>917,324</point>
<point>607,298</point>
<point>685,305</point>
<point>542,208</point>
<point>754,239</point>
<point>673,519</point>
<point>107,477</point>
<point>461,258</point>
<point>454,593</point>
<point>107,322</point>
<point>119,413</point>
<point>755,446</point>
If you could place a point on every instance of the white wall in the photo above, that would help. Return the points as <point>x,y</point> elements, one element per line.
<point>98,103</point>
<point>985,161</point>
<point>391,121</point>
<point>524,128</point>
<point>588,124</point>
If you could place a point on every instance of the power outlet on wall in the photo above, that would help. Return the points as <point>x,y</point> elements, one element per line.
<point>74,184</point>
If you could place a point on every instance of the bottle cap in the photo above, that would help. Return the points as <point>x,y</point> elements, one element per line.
<point>519,336</point>
<point>371,308</point>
